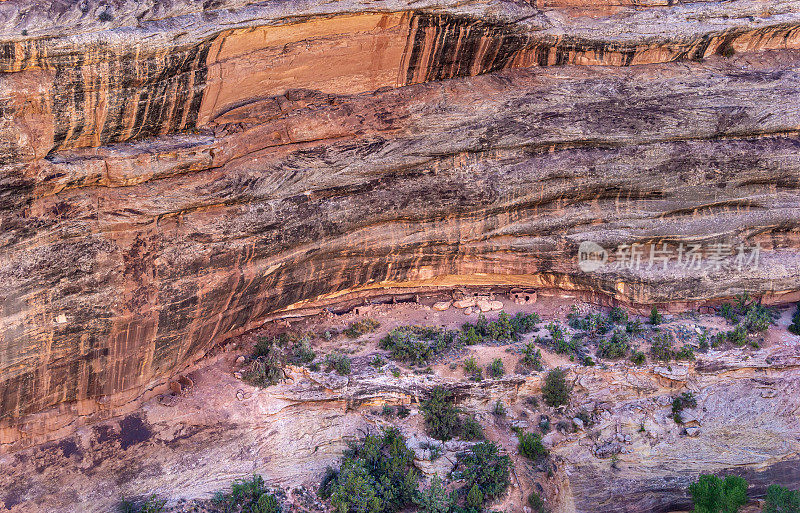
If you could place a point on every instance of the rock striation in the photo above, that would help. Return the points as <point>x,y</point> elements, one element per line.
<point>175,173</point>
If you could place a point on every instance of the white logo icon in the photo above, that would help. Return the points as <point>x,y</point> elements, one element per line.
<point>591,256</point>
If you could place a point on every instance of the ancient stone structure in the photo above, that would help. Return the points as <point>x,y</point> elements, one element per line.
<point>175,173</point>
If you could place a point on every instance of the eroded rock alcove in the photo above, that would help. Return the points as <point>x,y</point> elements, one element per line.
<point>175,173</point>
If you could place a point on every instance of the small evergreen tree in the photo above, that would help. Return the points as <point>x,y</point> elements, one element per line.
<point>711,494</point>
<point>555,390</point>
<point>441,416</point>
<point>434,498</point>
<point>530,445</point>
<point>474,497</point>
<point>655,317</point>
<point>795,326</point>
<point>781,500</point>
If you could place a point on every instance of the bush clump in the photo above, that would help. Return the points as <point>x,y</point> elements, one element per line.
<point>418,345</point>
<point>661,347</point>
<point>362,327</point>
<point>618,316</point>
<point>505,329</point>
<point>471,429</point>
<point>338,362</point>
<point>376,475</point>
<point>530,445</point>
<point>558,340</point>
<point>794,327</point>
<point>781,500</point>
<point>472,370</point>
<point>638,358</point>
<point>485,472</point>
<point>711,494</point>
<point>593,324</point>
<point>737,336</point>
<point>655,317</point>
<point>247,495</point>
<point>266,366</point>
<point>152,504</point>
<point>270,355</point>
<point>441,415</point>
<point>634,327</point>
<point>532,357</point>
<point>496,368</point>
<point>435,498</point>
<point>685,400</point>
<point>536,503</point>
<point>615,347</point>
<point>443,420</point>
<point>556,391</point>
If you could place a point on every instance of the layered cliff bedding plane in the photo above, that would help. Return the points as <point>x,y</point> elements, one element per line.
<point>438,256</point>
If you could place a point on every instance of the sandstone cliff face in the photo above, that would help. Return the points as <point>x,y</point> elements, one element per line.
<point>174,173</point>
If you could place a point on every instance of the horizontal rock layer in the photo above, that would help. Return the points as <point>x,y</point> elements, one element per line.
<point>173,181</point>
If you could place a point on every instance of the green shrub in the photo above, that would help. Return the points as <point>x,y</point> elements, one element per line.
<point>728,312</point>
<point>247,495</point>
<point>781,500</point>
<point>471,429</point>
<point>363,327</point>
<point>794,327</point>
<point>617,315</point>
<point>544,424</point>
<point>661,347</point>
<point>504,329</point>
<point>638,358</point>
<point>555,390</point>
<point>152,504</point>
<point>440,414</point>
<point>435,498</point>
<point>757,318</point>
<point>634,327</point>
<point>737,336</point>
<point>270,355</point>
<point>585,417</point>
<point>710,494</point>
<point>474,498</point>
<point>472,370</point>
<point>417,344</point>
<point>483,466</point>
<point>615,347</point>
<point>592,323</point>
<point>499,409</point>
<point>302,352</point>
<point>558,341</point>
<point>376,475</point>
<point>655,317</point>
<point>267,367</point>
<point>536,503</point>
<point>532,357</point>
<point>530,446</point>
<point>686,353</point>
<point>377,361</point>
<point>702,341</point>
<point>338,362</point>
<point>685,400</point>
<point>496,368</point>
<point>355,490</point>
